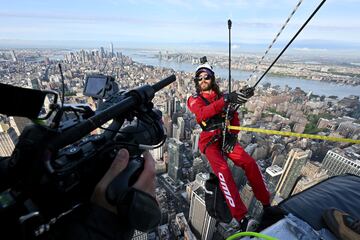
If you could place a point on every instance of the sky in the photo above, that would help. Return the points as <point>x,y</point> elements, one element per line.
<point>182,23</point>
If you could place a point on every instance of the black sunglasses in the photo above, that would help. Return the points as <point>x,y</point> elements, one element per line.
<point>203,78</point>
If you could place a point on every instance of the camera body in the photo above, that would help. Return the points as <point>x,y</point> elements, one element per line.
<point>52,169</point>
<point>203,60</point>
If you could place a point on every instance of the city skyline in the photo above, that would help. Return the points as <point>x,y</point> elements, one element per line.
<point>178,24</point>
<point>180,168</point>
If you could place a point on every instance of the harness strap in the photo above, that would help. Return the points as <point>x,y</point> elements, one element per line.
<point>214,139</point>
<point>214,122</point>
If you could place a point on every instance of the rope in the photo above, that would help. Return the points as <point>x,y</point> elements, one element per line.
<point>292,134</point>
<point>274,40</point>
<point>224,125</point>
<point>288,44</point>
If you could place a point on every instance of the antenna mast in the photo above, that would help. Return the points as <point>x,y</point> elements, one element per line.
<point>229,27</point>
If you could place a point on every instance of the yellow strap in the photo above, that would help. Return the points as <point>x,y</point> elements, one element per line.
<point>300,135</point>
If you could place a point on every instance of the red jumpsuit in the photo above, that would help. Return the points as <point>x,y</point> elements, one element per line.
<point>217,158</point>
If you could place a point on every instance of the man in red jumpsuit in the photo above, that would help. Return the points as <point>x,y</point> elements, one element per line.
<point>209,106</point>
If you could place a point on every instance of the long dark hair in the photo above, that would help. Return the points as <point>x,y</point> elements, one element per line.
<point>214,87</point>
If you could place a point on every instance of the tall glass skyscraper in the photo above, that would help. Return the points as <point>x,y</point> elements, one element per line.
<point>176,150</point>
<point>202,223</point>
<point>297,158</point>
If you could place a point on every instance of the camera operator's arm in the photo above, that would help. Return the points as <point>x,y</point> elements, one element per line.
<point>3,172</point>
<point>99,220</point>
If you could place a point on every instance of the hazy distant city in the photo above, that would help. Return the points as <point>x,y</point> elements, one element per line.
<point>289,164</point>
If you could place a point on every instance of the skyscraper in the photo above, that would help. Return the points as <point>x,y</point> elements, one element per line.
<point>111,50</point>
<point>349,129</point>
<point>307,182</point>
<point>157,153</point>
<point>176,151</point>
<point>195,136</point>
<point>197,167</point>
<point>171,106</point>
<point>184,227</point>
<point>177,105</point>
<point>338,161</point>
<point>202,223</point>
<point>181,129</point>
<point>168,126</point>
<point>252,204</point>
<point>163,232</point>
<point>13,56</point>
<point>297,158</point>
<point>19,123</point>
<point>8,139</point>
<point>102,52</point>
<point>139,235</point>
<point>311,168</point>
<point>272,177</point>
<point>176,132</point>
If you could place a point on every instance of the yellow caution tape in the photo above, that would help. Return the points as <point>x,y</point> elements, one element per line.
<point>292,134</point>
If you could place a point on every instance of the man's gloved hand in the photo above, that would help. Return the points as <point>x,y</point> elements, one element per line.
<point>235,98</point>
<point>248,92</point>
<point>230,141</point>
<point>241,97</point>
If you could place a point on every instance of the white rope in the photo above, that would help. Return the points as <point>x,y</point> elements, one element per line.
<point>274,40</point>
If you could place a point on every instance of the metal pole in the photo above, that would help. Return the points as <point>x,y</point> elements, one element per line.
<point>229,27</point>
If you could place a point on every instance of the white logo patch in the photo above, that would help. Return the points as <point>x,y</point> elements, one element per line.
<point>226,190</point>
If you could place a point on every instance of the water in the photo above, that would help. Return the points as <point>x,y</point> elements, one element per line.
<point>317,87</point>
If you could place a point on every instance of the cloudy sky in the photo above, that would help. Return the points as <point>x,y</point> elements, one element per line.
<point>182,22</point>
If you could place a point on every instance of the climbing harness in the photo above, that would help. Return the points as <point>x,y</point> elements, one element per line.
<point>213,140</point>
<point>213,123</point>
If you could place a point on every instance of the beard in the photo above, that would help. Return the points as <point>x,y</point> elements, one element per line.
<point>205,86</point>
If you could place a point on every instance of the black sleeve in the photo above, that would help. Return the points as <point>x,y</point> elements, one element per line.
<point>4,176</point>
<point>91,222</point>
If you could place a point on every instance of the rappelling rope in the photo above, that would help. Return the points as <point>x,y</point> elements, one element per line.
<point>274,40</point>
<point>224,125</point>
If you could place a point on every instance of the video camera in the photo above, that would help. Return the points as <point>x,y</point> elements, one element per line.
<point>55,168</point>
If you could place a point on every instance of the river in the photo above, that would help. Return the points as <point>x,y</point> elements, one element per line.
<point>317,87</point>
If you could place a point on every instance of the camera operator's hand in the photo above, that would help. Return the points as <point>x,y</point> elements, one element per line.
<point>145,183</point>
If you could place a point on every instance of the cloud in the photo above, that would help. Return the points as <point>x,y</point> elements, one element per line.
<point>67,17</point>
<point>310,49</point>
<point>186,20</point>
<point>180,3</point>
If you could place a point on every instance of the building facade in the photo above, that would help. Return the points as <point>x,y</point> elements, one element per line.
<point>297,158</point>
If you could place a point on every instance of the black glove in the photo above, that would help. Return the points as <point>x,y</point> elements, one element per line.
<point>230,141</point>
<point>239,98</point>
<point>248,92</point>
